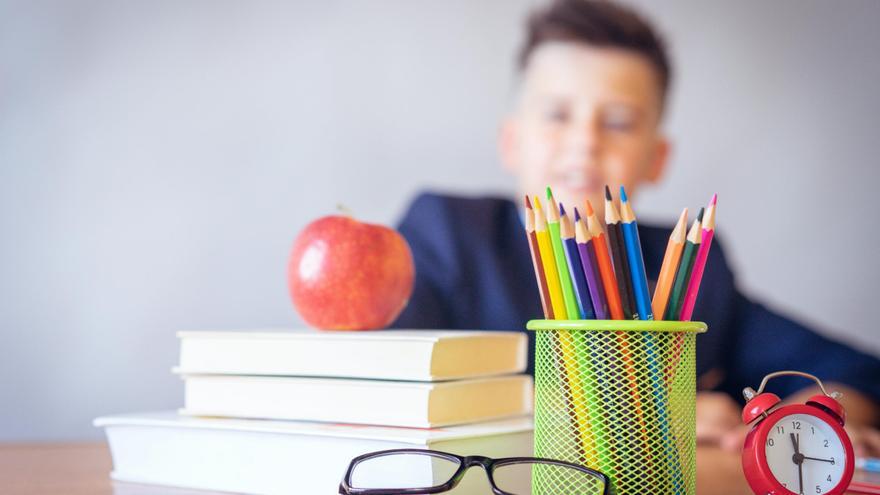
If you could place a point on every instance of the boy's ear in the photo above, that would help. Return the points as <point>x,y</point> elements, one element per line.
<point>508,144</point>
<point>662,150</point>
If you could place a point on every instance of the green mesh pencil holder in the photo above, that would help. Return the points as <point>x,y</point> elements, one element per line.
<point>618,396</point>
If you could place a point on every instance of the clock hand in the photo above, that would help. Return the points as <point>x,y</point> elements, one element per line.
<point>800,477</point>
<point>815,459</point>
<point>798,459</point>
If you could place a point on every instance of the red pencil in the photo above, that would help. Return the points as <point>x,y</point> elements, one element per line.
<point>540,278</point>
<point>606,269</point>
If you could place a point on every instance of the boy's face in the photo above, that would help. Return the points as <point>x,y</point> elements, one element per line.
<point>585,117</point>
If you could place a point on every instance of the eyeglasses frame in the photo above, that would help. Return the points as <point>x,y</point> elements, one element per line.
<point>464,463</point>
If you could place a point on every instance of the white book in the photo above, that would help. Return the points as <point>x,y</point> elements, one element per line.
<point>374,402</point>
<point>425,355</point>
<point>286,457</point>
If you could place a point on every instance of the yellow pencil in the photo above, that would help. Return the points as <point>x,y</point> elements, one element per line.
<point>577,406</point>
<point>549,262</point>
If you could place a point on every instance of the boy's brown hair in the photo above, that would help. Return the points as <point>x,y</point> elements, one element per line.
<point>597,23</point>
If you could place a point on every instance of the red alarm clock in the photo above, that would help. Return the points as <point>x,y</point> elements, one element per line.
<point>798,448</point>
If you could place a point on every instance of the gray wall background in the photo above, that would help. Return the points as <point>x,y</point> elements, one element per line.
<point>157,159</point>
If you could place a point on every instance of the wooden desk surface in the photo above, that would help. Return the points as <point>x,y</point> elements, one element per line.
<point>69,469</point>
<point>84,469</point>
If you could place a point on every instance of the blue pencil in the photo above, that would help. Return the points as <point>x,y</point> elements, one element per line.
<point>645,312</point>
<point>636,261</point>
<point>581,291</point>
<point>869,464</point>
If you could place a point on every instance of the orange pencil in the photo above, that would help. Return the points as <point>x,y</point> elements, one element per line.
<point>606,269</point>
<point>615,307</point>
<point>670,265</point>
<point>540,278</point>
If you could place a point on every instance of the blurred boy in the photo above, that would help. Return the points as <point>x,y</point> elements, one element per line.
<point>594,82</point>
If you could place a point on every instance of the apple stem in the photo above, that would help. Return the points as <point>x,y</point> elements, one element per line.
<point>344,210</point>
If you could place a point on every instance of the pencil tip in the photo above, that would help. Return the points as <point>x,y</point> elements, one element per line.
<point>577,216</point>
<point>537,203</point>
<point>623,198</point>
<point>589,208</point>
<point>681,225</point>
<point>528,203</point>
<point>700,215</point>
<point>561,209</point>
<point>549,194</point>
<point>607,193</point>
<point>714,199</point>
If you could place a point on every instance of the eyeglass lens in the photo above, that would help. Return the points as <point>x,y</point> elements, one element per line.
<point>408,470</point>
<point>519,479</point>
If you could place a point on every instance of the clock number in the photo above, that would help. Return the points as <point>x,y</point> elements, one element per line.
<point>826,443</point>
<point>780,430</point>
<point>818,490</point>
<point>770,442</point>
<point>828,478</point>
<point>832,461</point>
<point>812,430</point>
<point>796,425</point>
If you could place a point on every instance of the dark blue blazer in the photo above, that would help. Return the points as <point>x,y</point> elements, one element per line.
<point>474,271</point>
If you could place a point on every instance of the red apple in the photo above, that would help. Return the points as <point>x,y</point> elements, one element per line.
<point>348,275</point>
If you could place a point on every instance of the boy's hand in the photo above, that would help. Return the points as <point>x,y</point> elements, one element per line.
<point>865,440</point>
<point>718,420</point>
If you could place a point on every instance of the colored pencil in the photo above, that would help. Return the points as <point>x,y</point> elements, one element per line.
<point>588,358</point>
<point>708,230</point>
<point>576,270</point>
<point>643,306</point>
<point>606,269</point>
<point>869,464</point>
<point>571,307</point>
<point>708,226</point>
<point>863,488</point>
<point>591,268</point>
<point>673,309</point>
<point>545,250</point>
<point>535,252</point>
<point>577,405</point>
<point>618,256</point>
<point>624,285</point>
<point>670,265</point>
<point>563,349</point>
<point>630,228</point>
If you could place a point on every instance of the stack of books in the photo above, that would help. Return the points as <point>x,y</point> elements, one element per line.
<point>285,412</point>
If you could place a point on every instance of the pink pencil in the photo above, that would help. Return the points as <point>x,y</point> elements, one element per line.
<point>690,297</point>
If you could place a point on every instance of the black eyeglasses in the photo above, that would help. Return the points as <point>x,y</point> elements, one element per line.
<point>417,472</point>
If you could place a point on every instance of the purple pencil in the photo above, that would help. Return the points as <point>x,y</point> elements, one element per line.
<point>587,252</point>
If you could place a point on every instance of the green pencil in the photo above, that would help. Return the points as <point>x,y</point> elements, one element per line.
<point>571,306</point>
<point>679,287</point>
<point>590,425</point>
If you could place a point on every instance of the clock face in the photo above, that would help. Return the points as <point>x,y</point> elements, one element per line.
<point>805,454</point>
